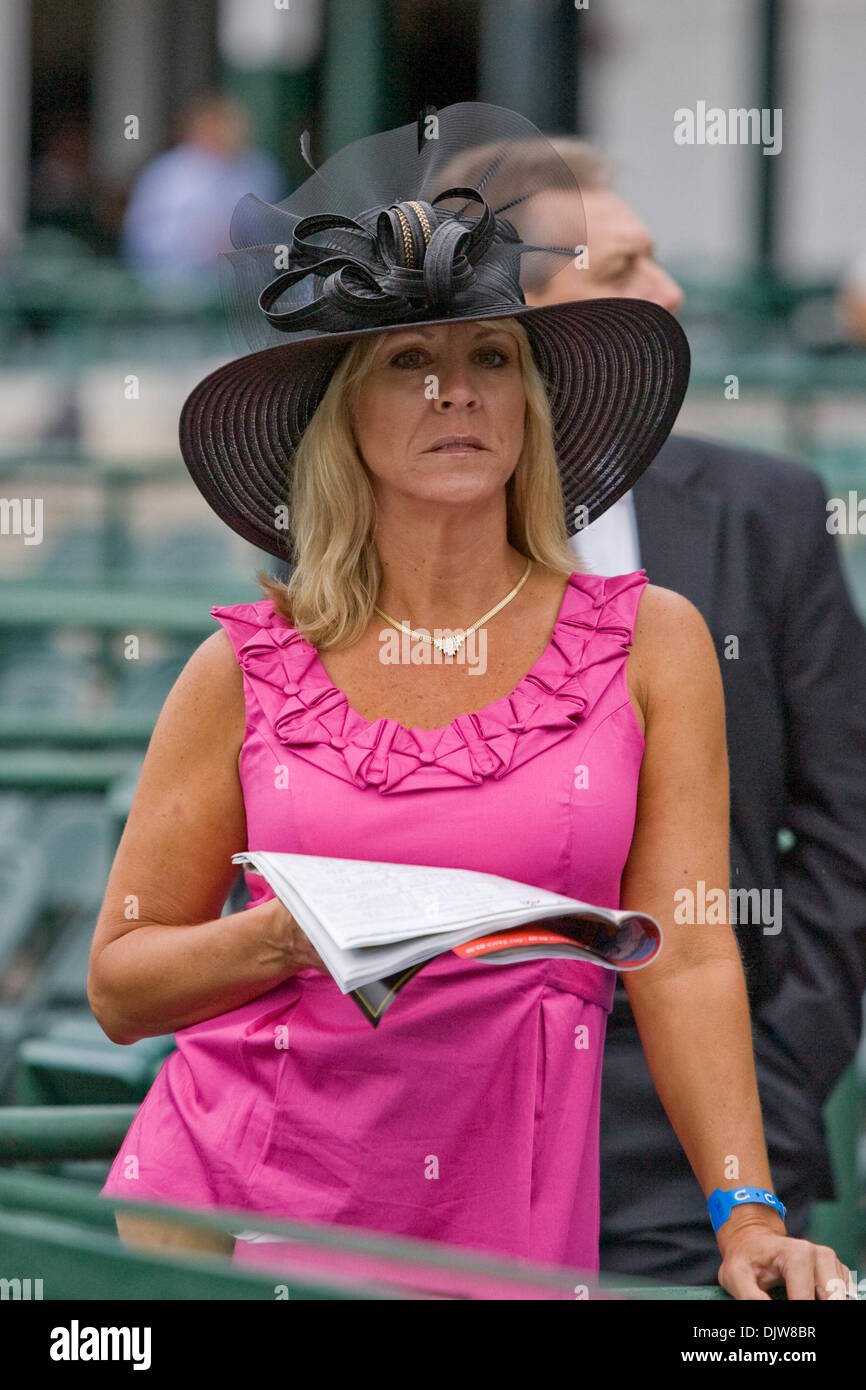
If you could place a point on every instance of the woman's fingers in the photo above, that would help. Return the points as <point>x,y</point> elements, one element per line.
<point>738,1279</point>
<point>808,1271</point>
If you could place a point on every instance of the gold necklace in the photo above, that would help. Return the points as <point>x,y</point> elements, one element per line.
<point>451,645</point>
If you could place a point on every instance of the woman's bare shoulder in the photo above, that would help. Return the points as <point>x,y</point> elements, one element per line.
<point>663,614</point>
<point>670,639</point>
<point>207,699</point>
<point>214,659</point>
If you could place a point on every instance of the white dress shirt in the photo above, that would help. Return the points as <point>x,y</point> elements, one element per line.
<point>610,545</point>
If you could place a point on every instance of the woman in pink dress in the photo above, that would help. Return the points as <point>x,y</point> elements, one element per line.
<point>421,444</point>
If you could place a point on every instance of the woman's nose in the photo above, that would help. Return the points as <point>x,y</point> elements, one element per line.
<point>454,386</point>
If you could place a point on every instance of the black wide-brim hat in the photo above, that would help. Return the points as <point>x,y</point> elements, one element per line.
<point>380,238</point>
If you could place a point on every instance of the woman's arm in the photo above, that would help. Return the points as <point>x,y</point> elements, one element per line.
<point>690,1005</point>
<point>162,957</point>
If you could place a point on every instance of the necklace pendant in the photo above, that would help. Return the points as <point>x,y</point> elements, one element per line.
<point>450,645</point>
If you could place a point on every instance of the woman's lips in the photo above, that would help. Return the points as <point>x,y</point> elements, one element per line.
<point>456,444</point>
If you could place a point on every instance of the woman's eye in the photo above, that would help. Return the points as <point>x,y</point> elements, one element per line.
<point>410,357</point>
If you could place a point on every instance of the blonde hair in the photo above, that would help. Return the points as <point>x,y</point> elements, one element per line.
<point>330,594</point>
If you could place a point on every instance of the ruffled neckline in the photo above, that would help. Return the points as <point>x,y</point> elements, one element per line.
<point>313,717</point>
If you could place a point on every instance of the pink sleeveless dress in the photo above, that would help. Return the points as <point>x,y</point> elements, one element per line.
<point>471,1114</point>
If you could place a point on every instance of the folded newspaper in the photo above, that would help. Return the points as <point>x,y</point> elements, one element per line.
<point>376,924</point>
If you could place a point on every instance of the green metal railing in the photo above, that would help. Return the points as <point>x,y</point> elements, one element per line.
<point>64,1232</point>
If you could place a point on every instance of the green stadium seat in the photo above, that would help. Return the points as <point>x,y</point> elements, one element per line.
<point>76,556</point>
<point>74,836</point>
<point>143,686</point>
<point>74,1063</point>
<point>842,1224</point>
<point>22,869</point>
<point>175,558</point>
<point>49,682</point>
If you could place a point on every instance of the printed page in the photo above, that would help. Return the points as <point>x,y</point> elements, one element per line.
<point>366,903</point>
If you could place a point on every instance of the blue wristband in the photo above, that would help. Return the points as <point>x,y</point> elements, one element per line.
<point>720,1204</point>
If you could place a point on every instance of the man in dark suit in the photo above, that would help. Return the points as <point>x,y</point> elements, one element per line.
<point>743,535</point>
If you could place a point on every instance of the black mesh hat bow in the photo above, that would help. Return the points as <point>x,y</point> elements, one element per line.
<point>383,236</point>
<point>399,263</point>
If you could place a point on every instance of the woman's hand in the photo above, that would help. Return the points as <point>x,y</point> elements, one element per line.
<point>757,1258</point>
<point>290,943</point>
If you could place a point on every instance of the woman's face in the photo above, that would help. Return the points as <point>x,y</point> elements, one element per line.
<point>441,413</point>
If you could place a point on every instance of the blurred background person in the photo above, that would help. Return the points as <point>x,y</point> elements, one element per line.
<point>851,302</point>
<point>63,191</point>
<point>179,209</point>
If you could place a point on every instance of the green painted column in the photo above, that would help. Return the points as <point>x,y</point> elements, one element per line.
<point>282,105</point>
<point>771,24</point>
<point>353,74</point>
<point>528,59</point>
<point>269,59</point>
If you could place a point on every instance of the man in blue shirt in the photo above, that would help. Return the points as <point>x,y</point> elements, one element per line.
<point>177,218</point>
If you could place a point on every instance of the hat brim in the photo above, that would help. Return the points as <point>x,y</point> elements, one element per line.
<point>616,372</point>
